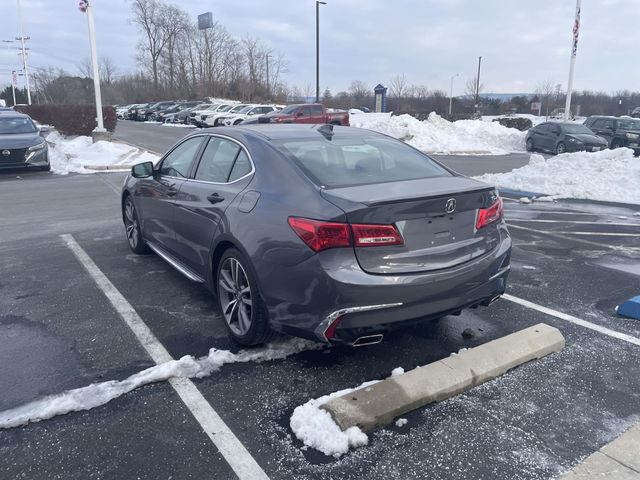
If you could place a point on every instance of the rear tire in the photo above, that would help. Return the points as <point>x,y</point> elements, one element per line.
<point>561,148</point>
<point>244,313</point>
<point>132,228</point>
<point>529,145</point>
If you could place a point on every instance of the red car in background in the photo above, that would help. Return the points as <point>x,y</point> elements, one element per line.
<point>313,113</point>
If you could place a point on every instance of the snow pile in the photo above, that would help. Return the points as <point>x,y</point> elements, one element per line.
<point>437,135</point>
<point>79,154</point>
<point>315,427</point>
<point>97,394</point>
<point>609,175</point>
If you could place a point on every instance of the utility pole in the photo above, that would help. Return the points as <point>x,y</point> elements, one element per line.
<point>477,99</point>
<point>318,3</point>
<point>94,62</point>
<point>268,87</point>
<point>451,93</point>
<point>14,78</point>
<point>22,39</point>
<point>574,50</point>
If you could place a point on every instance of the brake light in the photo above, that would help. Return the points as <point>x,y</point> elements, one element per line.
<point>372,235</point>
<point>487,216</point>
<point>319,235</point>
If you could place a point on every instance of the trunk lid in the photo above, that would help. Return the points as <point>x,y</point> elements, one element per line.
<point>434,239</point>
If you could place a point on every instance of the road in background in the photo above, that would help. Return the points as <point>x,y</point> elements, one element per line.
<point>159,138</point>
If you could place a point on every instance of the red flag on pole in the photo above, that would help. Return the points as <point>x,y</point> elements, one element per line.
<point>83,5</point>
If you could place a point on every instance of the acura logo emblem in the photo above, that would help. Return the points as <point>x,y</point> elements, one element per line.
<point>6,153</point>
<point>450,206</point>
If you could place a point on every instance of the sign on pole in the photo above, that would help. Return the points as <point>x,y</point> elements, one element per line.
<point>205,21</point>
<point>536,106</point>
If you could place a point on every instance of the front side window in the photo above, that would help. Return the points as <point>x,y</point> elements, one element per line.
<point>359,160</point>
<point>178,162</point>
<point>217,160</point>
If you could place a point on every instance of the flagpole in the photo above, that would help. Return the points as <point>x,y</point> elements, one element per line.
<point>94,61</point>
<point>574,50</point>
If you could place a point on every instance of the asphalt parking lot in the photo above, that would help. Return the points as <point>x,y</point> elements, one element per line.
<point>59,331</point>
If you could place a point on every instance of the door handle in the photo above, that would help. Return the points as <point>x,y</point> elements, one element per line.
<point>215,198</point>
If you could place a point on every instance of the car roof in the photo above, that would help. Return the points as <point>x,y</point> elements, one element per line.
<point>15,115</point>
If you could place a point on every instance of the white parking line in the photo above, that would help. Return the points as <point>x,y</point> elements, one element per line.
<point>576,222</point>
<point>602,234</point>
<point>579,240</point>
<point>234,452</point>
<point>575,320</point>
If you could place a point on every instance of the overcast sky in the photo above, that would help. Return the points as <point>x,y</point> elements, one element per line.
<point>522,42</point>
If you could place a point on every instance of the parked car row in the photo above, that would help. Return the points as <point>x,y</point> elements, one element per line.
<point>597,133</point>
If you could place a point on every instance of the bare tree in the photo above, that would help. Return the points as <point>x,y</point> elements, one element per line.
<point>150,18</point>
<point>546,91</point>
<point>398,86</point>
<point>359,91</point>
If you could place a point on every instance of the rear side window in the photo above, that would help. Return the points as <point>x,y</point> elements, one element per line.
<point>217,160</point>
<point>316,110</point>
<point>241,167</point>
<point>359,161</point>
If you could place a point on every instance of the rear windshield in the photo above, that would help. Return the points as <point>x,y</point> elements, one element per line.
<point>359,161</point>
<point>11,125</point>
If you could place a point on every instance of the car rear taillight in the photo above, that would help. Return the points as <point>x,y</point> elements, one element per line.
<point>320,235</point>
<point>372,235</point>
<point>486,216</point>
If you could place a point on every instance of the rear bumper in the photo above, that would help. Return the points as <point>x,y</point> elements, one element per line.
<point>308,297</point>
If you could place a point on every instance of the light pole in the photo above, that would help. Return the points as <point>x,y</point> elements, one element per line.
<point>94,62</point>
<point>451,93</point>
<point>318,3</point>
<point>24,53</point>
<point>574,50</point>
<point>268,87</point>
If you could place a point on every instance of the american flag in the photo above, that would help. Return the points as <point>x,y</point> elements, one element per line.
<point>82,6</point>
<point>576,31</point>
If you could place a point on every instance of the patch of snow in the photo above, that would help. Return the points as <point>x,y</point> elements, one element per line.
<point>397,371</point>
<point>76,154</point>
<point>401,422</point>
<point>315,427</point>
<point>97,394</point>
<point>608,175</point>
<point>178,125</point>
<point>525,200</point>
<point>529,267</point>
<point>152,122</point>
<point>437,135</point>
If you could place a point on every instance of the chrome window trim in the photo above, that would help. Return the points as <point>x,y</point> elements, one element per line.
<point>184,140</point>
<point>208,182</point>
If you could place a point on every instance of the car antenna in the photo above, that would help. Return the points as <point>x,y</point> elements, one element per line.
<point>326,130</point>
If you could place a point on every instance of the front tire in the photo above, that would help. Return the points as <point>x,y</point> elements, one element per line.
<point>561,148</point>
<point>242,308</point>
<point>529,145</point>
<point>132,228</point>
<point>617,144</point>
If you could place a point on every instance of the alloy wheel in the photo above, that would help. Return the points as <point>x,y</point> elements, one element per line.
<point>131,224</point>
<point>235,296</point>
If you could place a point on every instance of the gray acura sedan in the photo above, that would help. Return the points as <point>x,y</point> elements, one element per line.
<point>335,234</point>
<point>21,144</point>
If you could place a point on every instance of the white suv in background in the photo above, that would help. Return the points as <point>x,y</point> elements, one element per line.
<point>247,112</point>
<point>213,119</point>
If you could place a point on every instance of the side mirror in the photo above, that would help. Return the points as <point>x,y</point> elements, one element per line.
<point>44,128</point>
<point>142,170</point>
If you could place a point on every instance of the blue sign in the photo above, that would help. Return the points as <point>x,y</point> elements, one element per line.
<point>381,98</point>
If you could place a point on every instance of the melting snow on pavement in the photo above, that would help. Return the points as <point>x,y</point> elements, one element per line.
<point>437,135</point>
<point>97,394</point>
<point>79,154</point>
<point>609,175</point>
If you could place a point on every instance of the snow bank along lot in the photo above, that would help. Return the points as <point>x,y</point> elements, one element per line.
<point>609,175</point>
<point>437,135</point>
<point>79,154</point>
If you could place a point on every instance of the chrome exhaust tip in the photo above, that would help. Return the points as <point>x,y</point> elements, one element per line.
<point>367,340</point>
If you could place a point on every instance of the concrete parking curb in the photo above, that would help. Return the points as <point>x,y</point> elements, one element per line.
<point>618,460</point>
<point>377,405</point>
